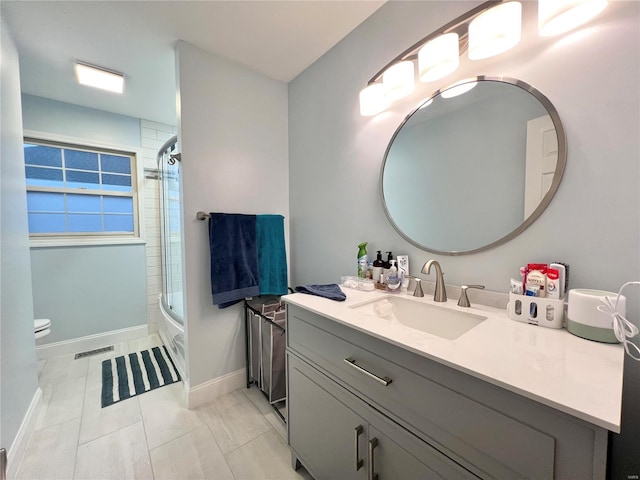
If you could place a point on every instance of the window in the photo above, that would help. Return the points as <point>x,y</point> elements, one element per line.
<point>79,191</point>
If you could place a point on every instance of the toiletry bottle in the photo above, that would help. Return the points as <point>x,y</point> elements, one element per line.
<point>562,276</point>
<point>378,264</point>
<point>392,280</point>
<point>387,265</point>
<point>362,259</point>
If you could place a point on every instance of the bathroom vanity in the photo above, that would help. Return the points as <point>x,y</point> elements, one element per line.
<point>370,396</point>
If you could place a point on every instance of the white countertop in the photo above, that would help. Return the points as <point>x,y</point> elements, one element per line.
<point>553,367</point>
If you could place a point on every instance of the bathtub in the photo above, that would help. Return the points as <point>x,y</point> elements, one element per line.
<point>172,335</point>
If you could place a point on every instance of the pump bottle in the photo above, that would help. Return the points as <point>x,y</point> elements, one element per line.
<point>378,265</point>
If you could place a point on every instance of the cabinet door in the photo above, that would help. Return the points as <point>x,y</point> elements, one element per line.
<point>398,454</point>
<point>323,430</point>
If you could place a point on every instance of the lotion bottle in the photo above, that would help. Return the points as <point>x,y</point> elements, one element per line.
<point>386,266</point>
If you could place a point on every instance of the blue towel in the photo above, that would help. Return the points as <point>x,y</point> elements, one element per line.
<point>234,258</point>
<point>331,291</point>
<point>272,256</point>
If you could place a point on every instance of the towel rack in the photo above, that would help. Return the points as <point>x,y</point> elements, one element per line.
<point>202,215</point>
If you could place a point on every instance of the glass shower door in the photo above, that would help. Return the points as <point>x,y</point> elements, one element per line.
<point>171,232</point>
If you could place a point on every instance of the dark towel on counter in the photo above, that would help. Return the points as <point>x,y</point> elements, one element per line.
<point>331,291</point>
<point>272,256</point>
<point>234,258</point>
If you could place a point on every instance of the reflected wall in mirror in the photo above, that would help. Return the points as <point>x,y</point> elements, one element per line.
<point>470,170</point>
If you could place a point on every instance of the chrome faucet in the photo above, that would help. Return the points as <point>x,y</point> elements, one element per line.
<point>440,295</point>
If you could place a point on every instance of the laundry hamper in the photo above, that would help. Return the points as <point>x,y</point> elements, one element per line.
<point>274,343</point>
<point>266,347</point>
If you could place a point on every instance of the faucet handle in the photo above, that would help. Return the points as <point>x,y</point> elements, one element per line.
<point>417,292</point>
<point>464,300</point>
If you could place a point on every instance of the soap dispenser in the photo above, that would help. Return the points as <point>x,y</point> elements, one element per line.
<point>378,265</point>
<point>392,279</point>
<point>387,265</point>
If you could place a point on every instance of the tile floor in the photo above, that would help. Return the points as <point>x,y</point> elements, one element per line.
<point>151,436</point>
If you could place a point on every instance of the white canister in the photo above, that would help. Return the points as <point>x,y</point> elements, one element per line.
<point>586,321</point>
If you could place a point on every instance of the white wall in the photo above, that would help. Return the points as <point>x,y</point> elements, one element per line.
<point>233,139</point>
<point>154,135</point>
<point>593,223</point>
<point>70,282</point>
<point>17,343</point>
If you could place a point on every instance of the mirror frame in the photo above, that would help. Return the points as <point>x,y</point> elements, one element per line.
<point>557,176</point>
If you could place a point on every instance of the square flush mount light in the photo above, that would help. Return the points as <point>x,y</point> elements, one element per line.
<point>99,78</point>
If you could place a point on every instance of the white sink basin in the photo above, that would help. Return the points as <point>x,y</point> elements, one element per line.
<point>440,321</point>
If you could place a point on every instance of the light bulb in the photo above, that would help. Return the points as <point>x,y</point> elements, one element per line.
<point>373,100</point>
<point>439,57</point>
<point>399,80</point>
<point>495,30</point>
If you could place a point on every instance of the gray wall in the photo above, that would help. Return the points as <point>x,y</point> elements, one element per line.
<point>90,289</point>
<point>17,342</point>
<point>233,138</point>
<point>86,290</point>
<point>593,223</point>
<point>51,116</point>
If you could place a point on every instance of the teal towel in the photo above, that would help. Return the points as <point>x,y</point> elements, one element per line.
<point>272,256</point>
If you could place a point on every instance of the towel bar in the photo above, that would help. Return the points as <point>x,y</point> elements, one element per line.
<point>202,215</point>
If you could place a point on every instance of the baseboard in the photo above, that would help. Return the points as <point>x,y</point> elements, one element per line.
<point>208,391</point>
<point>82,344</point>
<point>19,445</point>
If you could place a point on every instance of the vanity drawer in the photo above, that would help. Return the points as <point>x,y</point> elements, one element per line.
<point>482,439</point>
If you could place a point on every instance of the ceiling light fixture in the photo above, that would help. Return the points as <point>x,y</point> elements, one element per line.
<point>495,30</point>
<point>98,77</point>
<point>559,16</point>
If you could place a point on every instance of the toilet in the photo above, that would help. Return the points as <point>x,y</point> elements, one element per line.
<point>42,327</point>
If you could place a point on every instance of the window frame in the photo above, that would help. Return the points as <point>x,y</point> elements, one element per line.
<point>137,194</point>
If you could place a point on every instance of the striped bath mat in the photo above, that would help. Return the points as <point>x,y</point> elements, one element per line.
<point>129,375</point>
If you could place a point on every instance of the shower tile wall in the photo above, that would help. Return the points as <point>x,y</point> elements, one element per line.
<point>153,137</point>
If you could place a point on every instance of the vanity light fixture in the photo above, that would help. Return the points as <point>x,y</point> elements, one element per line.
<point>456,90</point>
<point>99,77</point>
<point>373,100</point>
<point>559,16</point>
<point>495,30</point>
<point>398,80</point>
<point>489,29</point>
<point>439,57</point>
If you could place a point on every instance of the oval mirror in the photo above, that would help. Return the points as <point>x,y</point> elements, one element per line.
<point>473,166</point>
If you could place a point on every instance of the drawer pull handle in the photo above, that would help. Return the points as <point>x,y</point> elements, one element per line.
<point>383,380</point>
<point>373,443</point>
<point>359,462</point>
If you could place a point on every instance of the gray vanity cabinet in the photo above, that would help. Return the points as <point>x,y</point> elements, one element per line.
<point>337,436</point>
<point>426,420</point>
